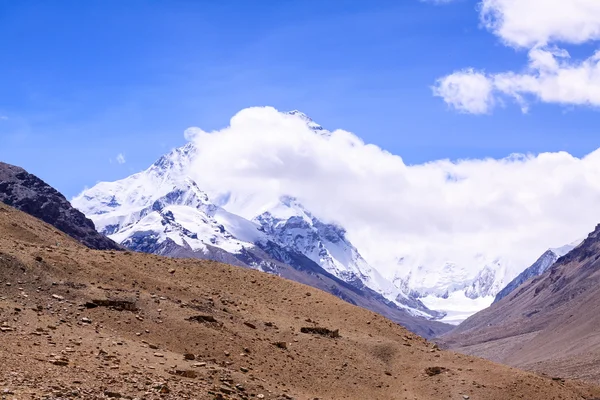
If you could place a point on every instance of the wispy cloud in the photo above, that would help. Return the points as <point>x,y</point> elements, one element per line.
<point>3,118</point>
<point>121,158</point>
<point>551,75</point>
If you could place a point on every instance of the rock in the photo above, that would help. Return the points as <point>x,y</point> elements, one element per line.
<point>164,389</point>
<point>113,395</point>
<point>203,318</point>
<point>86,320</point>
<point>57,297</point>
<point>189,356</point>
<point>226,389</point>
<point>250,325</point>
<point>281,345</point>
<point>160,355</point>
<point>153,346</point>
<point>321,331</point>
<point>172,271</point>
<point>465,397</point>
<point>244,369</point>
<point>431,371</point>
<point>186,373</point>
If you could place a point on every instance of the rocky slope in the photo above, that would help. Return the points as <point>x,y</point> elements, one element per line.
<point>548,324</point>
<point>81,323</point>
<point>540,266</point>
<point>28,193</point>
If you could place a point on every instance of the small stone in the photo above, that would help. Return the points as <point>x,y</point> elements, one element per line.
<point>226,389</point>
<point>159,355</point>
<point>114,395</point>
<point>57,297</point>
<point>465,397</point>
<point>86,320</point>
<point>186,373</point>
<point>244,369</point>
<point>260,396</point>
<point>189,356</point>
<point>172,271</point>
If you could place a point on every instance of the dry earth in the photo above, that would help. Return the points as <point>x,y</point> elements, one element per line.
<point>80,323</point>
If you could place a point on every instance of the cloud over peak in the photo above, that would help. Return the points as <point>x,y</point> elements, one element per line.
<point>433,212</point>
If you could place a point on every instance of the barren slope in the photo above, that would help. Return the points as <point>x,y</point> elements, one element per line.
<point>52,344</point>
<point>30,194</point>
<point>549,324</point>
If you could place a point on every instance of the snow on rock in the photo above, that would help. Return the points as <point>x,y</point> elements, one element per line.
<point>162,210</point>
<point>290,224</point>
<point>540,266</point>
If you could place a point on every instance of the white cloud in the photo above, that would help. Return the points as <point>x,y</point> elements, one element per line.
<point>433,212</point>
<point>3,118</point>
<point>529,23</point>
<point>550,76</point>
<point>120,158</point>
<point>467,91</point>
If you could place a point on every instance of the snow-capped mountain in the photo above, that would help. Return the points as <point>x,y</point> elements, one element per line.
<point>541,265</point>
<point>456,289</point>
<point>163,210</point>
<point>291,225</point>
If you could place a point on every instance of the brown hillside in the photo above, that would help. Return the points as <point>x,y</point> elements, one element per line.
<point>243,328</point>
<point>549,324</point>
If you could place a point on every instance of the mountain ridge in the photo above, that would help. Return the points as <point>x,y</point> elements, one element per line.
<point>28,193</point>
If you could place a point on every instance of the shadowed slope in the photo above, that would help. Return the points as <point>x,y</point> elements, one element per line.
<point>549,323</point>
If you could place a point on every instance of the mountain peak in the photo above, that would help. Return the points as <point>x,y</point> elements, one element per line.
<point>308,120</point>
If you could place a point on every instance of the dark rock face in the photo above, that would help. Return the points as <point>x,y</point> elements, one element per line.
<point>28,193</point>
<point>538,268</point>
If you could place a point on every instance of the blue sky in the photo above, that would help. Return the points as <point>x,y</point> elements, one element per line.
<point>83,81</point>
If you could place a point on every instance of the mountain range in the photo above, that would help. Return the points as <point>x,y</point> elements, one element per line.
<point>163,210</point>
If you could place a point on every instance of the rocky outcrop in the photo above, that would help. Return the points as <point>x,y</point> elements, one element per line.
<point>28,193</point>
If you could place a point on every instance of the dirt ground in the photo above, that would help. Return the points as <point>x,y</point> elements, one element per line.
<point>78,323</point>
